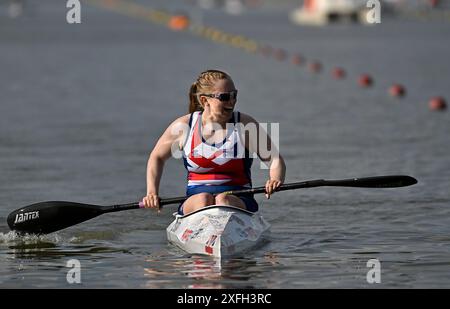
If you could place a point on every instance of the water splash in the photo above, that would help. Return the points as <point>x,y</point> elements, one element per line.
<point>14,238</point>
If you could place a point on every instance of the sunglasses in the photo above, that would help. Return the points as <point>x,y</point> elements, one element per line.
<point>224,96</point>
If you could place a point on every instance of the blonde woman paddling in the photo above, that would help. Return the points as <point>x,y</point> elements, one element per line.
<point>216,154</point>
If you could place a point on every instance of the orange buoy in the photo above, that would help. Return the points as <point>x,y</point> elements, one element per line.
<point>315,67</point>
<point>280,54</point>
<point>437,104</point>
<point>297,59</point>
<point>178,22</point>
<point>397,90</point>
<point>365,80</point>
<point>338,73</point>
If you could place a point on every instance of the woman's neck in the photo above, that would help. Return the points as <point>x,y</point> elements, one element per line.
<point>208,118</point>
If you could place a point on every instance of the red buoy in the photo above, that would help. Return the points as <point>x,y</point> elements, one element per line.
<point>437,104</point>
<point>365,80</point>
<point>280,54</point>
<point>297,59</point>
<point>338,73</point>
<point>397,90</point>
<point>315,67</point>
<point>433,3</point>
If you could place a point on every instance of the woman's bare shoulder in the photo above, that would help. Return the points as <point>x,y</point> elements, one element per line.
<point>178,128</point>
<point>183,120</point>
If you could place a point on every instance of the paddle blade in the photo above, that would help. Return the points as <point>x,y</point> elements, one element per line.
<point>47,217</point>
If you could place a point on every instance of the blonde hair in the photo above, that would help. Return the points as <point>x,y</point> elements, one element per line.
<point>204,84</point>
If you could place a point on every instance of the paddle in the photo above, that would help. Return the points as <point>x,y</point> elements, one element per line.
<point>47,217</point>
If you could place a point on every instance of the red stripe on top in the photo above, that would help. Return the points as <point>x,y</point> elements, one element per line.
<point>233,170</point>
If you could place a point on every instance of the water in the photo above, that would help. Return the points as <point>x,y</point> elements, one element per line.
<point>82,106</point>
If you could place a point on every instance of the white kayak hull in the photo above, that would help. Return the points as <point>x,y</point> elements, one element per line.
<point>218,231</point>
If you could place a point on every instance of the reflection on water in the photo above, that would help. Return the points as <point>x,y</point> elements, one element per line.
<point>206,271</point>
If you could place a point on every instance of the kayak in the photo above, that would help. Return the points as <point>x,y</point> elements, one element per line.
<point>218,231</point>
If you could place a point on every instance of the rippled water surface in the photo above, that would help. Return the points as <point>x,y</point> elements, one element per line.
<point>82,106</point>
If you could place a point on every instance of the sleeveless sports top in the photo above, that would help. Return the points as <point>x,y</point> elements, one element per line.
<point>226,164</point>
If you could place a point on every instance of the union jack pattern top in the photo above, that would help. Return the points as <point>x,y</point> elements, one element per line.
<point>226,164</point>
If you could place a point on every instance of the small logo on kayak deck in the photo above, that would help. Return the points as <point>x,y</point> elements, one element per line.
<point>251,233</point>
<point>186,235</point>
<point>209,250</point>
<point>22,217</point>
<point>211,241</point>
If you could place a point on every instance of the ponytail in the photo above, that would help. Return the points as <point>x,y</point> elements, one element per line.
<point>194,104</point>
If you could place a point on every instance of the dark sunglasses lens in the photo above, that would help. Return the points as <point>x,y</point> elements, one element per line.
<point>227,96</point>
<point>224,97</point>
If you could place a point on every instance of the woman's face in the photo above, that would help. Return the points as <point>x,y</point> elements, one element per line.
<point>220,110</point>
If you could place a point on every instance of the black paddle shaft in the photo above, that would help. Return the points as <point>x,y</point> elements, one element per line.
<point>391,181</point>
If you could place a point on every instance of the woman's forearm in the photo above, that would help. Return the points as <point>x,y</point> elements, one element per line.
<point>155,167</point>
<point>277,169</point>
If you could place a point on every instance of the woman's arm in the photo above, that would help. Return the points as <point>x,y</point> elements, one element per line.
<point>170,140</point>
<point>258,141</point>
